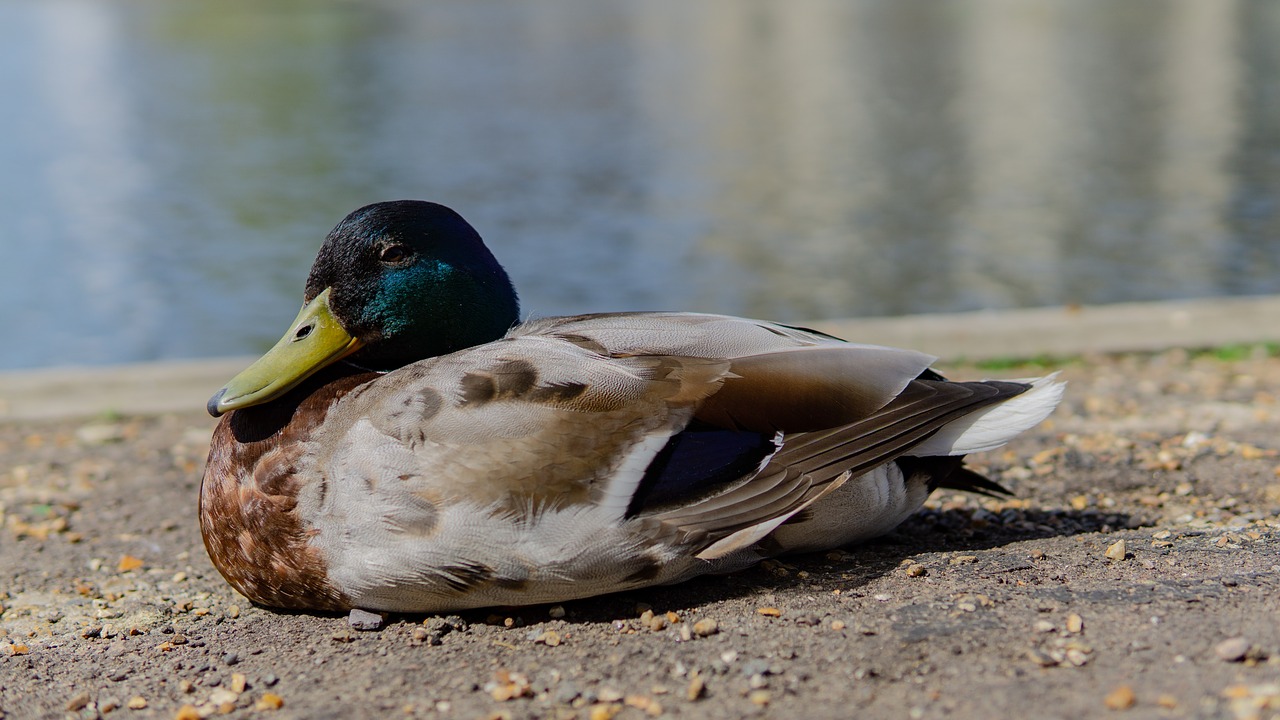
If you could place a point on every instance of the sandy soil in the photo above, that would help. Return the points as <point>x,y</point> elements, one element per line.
<point>974,608</point>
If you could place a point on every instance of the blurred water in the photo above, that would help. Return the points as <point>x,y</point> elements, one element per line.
<point>169,167</point>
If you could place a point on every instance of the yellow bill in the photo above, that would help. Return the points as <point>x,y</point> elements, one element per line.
<point>315,340</point>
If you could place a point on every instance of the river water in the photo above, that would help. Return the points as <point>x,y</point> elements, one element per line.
<point>169,167</point>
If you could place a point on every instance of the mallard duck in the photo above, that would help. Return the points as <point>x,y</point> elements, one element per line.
<point>410,446</point>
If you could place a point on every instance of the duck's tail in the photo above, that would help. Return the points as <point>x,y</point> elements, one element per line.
<point>993,426</point>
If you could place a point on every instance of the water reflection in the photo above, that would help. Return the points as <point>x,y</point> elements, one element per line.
<point>167,169</point>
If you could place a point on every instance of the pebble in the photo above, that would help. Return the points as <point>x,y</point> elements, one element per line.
<point>1117,551</point>
<point>79,702</point>
<point>706,627</point>
<point>1122,698</point>
<point>769,611</point>
<point>100,434</point>
<point>1232,649</point>
<point>916,571</point>
<point>269,701</point>
<point>1075,623</point>
<point>364,620</point>
<point>137,702</point>
<point>556,612</point>
<point>760,697</point>
<point>1041,658</point>
<point>604,711</point>
<point>697,687</point>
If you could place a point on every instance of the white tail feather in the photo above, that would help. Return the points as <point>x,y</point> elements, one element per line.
<point>991,427</point>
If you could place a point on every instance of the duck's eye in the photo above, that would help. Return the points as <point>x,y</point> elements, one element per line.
<point>393,254</point>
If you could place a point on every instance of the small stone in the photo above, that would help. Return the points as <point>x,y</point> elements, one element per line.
<point>1117,551</point>
<point>963,560</point>
<point>129,562</point>
<point>609,695</point>
<point>108,705</point>
<point>1075,623</point>
<point>1041,658</point>
<point>79,702</point>
<point>1167,701</point>
<point>769,611</point>
<point>759,697</point>
<point>100,434</point>
<point>179,577</point>
<point>239,683</point>
<point>1045,626</point>
<point>550,638</point>
<point>1122,698</point>
<point>556,612</point>
<point>269,701</point>
<point>230,658</point>
<point>1077,657</point>
<point>364,620</point>
<point>916,571</point>
<point>1232,650</point>
<point>188,712</point>
<point>233,611</point>
<point>186,687</point>
<point>223,696</point>
<point>696,687</point>
<point>706,627</point>
<point>137,702</point>
<point>837,625</point>
<point>604,711</point>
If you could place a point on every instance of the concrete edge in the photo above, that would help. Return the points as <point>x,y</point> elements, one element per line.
<point>180,386</point>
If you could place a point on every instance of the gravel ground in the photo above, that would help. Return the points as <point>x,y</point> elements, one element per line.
<point>1135,575</point>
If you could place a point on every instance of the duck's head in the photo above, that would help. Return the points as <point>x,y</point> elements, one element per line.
<point>395,282</point>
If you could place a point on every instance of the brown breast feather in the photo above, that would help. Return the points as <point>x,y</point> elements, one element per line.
<point>249,494</point>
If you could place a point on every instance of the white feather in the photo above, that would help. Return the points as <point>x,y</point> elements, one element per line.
<point>991,427</point>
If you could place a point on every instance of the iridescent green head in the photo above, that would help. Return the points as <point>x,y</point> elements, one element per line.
<point>395,282</point>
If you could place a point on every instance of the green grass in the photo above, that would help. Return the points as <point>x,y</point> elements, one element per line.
<point>1037,362</point>
<point>1240,351</point>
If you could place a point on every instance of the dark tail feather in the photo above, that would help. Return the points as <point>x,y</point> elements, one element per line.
<point>963,478</point>
<point>950,473</point>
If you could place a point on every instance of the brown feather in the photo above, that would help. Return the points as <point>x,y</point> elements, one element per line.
<point>249,493</point>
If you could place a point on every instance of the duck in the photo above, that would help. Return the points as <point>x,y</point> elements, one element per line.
<point>411,445</point>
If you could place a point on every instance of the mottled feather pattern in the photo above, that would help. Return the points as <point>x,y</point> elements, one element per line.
<point>248,500</point>
<point>506,473</point>
<point>560,458</point>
